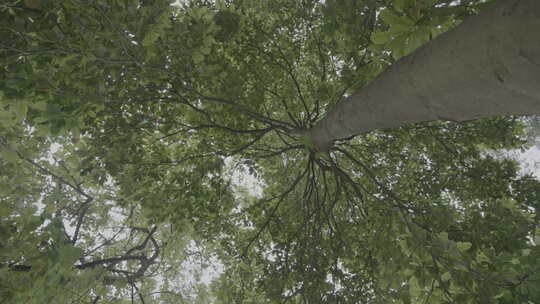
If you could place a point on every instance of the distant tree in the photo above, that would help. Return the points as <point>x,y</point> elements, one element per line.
<point>378,184</point>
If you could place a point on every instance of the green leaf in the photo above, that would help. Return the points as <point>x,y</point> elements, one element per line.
<point>397,46</point>
<point>40,119</point>
<point>381,37</point>
<point>9,155</point>
<point>40,105</point>
<point>5,211</point>
<point>69,254</point>
<point>21,108</point>
<point>509,204</point>
<point>463,246</point>
<point>150,38</point>
<point>408,271</point>
<point>417,38</point>
<point>414,287</point>
<point>446,276</point>
<point>482,257</point>
<point>197,57</point>
<point>401,5</point>
<point>6,119</point>
<point>390,18</point>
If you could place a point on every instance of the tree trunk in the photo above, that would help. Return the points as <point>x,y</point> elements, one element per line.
<point>487,66</point>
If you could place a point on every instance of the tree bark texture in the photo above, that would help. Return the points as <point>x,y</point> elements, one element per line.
<point>487,66</point>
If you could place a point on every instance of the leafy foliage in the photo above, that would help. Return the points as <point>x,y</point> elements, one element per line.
<point>124,123</point>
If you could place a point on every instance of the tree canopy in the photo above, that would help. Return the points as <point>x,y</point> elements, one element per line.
<point>142,140</point>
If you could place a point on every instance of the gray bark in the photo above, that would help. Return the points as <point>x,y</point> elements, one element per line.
<point>487,66</point>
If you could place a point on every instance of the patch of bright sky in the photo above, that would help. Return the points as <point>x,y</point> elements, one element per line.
<point>529,161</point>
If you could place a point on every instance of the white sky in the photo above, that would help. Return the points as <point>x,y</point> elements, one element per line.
<point>530,161</point>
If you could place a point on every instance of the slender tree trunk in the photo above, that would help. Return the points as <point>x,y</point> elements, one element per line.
<point>487,66</point>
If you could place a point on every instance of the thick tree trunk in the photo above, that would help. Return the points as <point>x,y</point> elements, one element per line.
<point>489,65</point>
